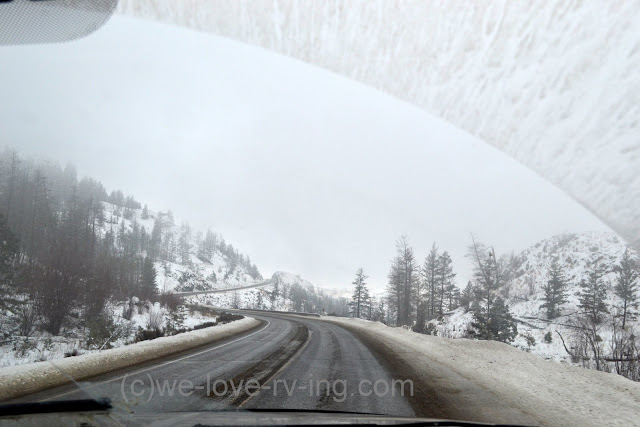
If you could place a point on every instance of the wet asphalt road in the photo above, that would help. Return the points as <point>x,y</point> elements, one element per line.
<point>289,362</point>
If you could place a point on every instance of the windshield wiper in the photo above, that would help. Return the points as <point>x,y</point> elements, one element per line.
<point>55,406</point>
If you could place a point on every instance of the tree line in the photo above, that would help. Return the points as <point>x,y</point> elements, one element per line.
<point>66,252</point>
<point>418,292</point>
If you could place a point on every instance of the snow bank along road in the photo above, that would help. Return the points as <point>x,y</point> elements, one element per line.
<point>30,378</point>
<point>306,363</point>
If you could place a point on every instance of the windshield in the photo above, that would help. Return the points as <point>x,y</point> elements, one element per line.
<point>419,211</point>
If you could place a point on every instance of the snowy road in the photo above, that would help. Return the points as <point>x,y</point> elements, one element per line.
<point>299,363</point>
<point>322,364</point>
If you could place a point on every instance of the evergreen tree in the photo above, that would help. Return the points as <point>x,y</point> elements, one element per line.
<point>145,212</point>
<point>593,294</point>
<point>452,295</point>
<point>156,239</point>
<point>555,294</point>
<point>379,312</point>
<point>360,298</point>
<point>184,244</point>
<point>408,275</point>
<point>626,283</point>
<point>421,318</point>
<point>430,276</point>
<point>492,320</point>
<point>445,277</point>
<point>394,292</point>
<point>8,252</point>
<point>148,285</point>
<point>466,297</point>
<point>497,325</point>
<point>485,272</point>
<point>274,294</point>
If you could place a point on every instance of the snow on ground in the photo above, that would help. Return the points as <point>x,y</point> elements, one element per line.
<point>291,292</point>
<point>197,273</point>
<point>574,253</point>
<point>550,394</point>
<point>30,378</point>
<point>43,346</point>
<point>216,270</point>
<point>258,297</point>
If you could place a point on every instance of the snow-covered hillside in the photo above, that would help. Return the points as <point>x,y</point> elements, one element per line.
<point>194,270</point>
<point>179,259</point>
<point>290,292</point>
<point>575,253</point>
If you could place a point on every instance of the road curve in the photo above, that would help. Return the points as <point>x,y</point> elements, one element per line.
<point>294,362</point>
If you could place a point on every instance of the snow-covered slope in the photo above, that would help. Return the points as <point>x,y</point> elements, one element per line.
<point>575,253</point>
<point>553,84</point>
<point>195,273</point>
<point>182,267</point>
<point>291,292</point>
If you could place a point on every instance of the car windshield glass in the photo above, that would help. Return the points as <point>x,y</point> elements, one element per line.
<point>421,210</point>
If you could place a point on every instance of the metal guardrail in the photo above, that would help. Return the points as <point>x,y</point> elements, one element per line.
<point>255,310</point>
<point>297,313</point>
<point>220,291</point>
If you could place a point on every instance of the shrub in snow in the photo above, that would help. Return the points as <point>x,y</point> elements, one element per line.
<point>72,353</point>
<point>227,317</point>
<point>148,334</point>
<point>204,325</point>
<point>155,318</point>
<point>548,338</point>
<point>102,332</point>
<point>127,310</point>
<point>530,340</point>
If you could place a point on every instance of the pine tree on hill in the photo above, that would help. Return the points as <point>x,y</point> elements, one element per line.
<point>498,325</point>
<point>492,319</point>
<point>466,297</point>
<point>148,286</point>
<point>555,294</point>
<point>626,283</point>
<point>593,294</point>
<point>145,212</point>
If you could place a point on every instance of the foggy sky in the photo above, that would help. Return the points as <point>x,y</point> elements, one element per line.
<point>301,169</point>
